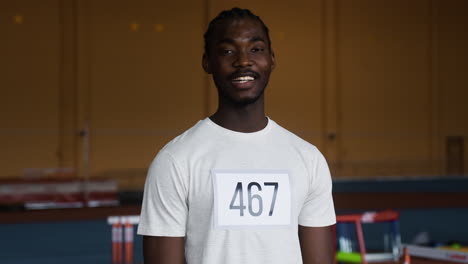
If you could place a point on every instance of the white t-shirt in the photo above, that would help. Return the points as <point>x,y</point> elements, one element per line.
<point>237,197</point>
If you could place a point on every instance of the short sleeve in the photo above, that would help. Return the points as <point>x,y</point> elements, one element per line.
<point>164,210</point>
<point>318,208</point>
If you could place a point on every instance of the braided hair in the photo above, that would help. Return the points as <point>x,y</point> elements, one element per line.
<point>233,14</point>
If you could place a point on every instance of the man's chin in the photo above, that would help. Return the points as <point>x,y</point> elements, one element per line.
<point>242,98</point>
<point>244,101</point>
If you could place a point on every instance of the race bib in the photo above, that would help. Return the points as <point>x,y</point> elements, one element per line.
<point>251,198</point>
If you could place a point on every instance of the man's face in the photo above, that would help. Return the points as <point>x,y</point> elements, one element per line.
<point>239,60</point>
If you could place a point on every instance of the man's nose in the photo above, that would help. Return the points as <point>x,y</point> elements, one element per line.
<point>243,59</point>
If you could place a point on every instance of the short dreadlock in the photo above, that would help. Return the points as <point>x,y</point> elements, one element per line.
<point>234,14</point>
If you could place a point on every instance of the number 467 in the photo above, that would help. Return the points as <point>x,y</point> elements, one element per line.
<point>239,195</point>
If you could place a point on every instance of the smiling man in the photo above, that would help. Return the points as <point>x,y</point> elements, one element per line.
<point>237,187</point>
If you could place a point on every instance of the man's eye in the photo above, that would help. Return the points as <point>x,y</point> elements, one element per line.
<point>255,50</point>
<point>228,51</point>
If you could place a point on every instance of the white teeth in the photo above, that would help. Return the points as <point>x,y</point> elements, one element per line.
<point>244,79</point>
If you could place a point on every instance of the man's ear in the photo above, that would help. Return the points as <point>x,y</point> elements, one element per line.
<point>273,60</point>
<point>206,64</point>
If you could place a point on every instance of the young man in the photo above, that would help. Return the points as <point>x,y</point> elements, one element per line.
<point>238,188</point>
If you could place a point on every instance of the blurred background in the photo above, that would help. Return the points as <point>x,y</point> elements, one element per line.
<point>91,90</point>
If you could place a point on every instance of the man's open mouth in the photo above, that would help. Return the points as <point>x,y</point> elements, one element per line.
<point>243,79</point>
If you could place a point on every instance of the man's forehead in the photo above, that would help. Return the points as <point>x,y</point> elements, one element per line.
<point>243,28</point>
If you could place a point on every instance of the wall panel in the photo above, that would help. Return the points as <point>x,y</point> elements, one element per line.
<point>384,60</point>
<point>144,80</point>
<point>29,70</point>
<point>453,57</point>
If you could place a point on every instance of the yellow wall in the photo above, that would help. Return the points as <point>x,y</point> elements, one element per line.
<point>29,82</point>
<point>376,85</point>
<point>384,81</point>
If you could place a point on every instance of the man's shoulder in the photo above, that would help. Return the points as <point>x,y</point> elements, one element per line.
<point>189,139</point>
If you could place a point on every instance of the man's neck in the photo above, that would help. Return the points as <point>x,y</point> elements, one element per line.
<point>249,118</point>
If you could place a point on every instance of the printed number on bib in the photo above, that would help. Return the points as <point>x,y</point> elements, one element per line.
<point>244,198</point>
<point>251,198</point>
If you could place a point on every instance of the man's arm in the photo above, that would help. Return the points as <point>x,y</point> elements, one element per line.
<point>163,250</point>
<point>316,244</point>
